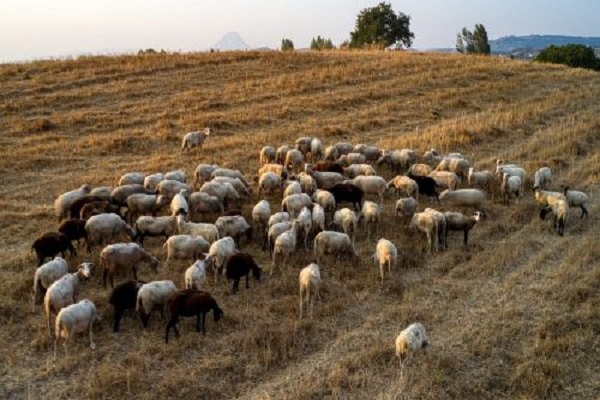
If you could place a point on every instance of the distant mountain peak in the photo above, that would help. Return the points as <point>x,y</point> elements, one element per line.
<point>231,41</point>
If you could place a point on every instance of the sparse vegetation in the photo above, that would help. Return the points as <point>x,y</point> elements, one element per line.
<point>320,43</point>
<point>513,316</point>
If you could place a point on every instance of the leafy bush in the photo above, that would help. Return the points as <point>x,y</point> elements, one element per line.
<point>573,55</point>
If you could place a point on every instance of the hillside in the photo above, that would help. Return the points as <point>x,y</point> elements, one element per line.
<point>535,43</point>
<point>514,315</point>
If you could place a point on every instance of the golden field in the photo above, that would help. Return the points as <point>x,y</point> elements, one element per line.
<point>514,315</point>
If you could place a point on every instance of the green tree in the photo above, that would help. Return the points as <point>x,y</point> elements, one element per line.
<point>380,26</point>
<point>287,45</point>
<point>475,42</point>
<point>320,43</point>
<point>573,55</point>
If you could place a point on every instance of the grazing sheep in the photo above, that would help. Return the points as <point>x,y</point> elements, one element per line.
<point>152,181</point>
<point>355,170</point>
<point>105,227</point>
<point>285,245</point>
<point>318,218</point>
<point>229,173</point>
<point>277,169</point>
<point>201,203</point>
<point>73,319</point>
<point>577,199</point>
<point>427,185</point>
<point>511,171</point>
<point>274,231</point>
<point>337,244</point>
<point>420,170</point>
<point>441,226</point>
<point>178,175</point>
<point>122,298</point>
<point>406,184</point>
<point>546,198</point>
<point>203,173</point>
<point>344,148</point>
<point>385,253</point>
<point>99,207</point>
<point>281,154</point>
<point>432,158</point>
<point>410,341</point>
<point>185,247</point>
<point>397,160</point>
<point>445,179</point>
<point>371,154</point>
<point>324,166</point>
<point>194,139</point>
<point>561,214</point>
<point>50,244</point>
<point>62,204</point>
<point>293,187</point>
<point>238,185</point>
<point>371,215</point>
<point>261,213</point>
<point>147,226</point>
<point>542,177</point>
<point>179,204</point>
<point>346,160</point>
<point>307,183</point>
<point>302,145</point>
<point>187,303</point>
<point>511,185</point>
<point>294,160</point>
<point>456,221</point>
<point>305,218</point>
<point>267,155</point>
<point>218,254</point>
<point>316,149</point>
<point>102,192</point>
<point>170,188</point>
<point>463,198</point>
<point>151,296</point>
<point>480,179</point>
<point>124,256</point>
<point>294,203</point>
<point>238,266</point>
<point>331,153</point>
<point>347,220</point>
<point>234,226</point>
<point>141,204</point>
<point>209,232</point>
<point>309,281</point>
<point>223,191</point>
<point>280,216</point>
<point>427,223</point>
<point>77,205</point>
<point>347,192</point>
<point>325,199</point>
<point>120,194</point>
<point>195,276</point>
<point>63,291</point>
<point>132,178</point>
<point>326,180</point>
<point>370,185</point>
<point>457,165</point>
<point>46,275</point>
<point>406,207</point>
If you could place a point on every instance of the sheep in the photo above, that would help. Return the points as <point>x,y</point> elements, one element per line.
<point>480,179</point>
<point>307,183</point>
<point>420,170</point>
<point>63,291</point>
<point>370,185</point>
<point>131,178</point>
<point>293,187</point>
<point>234,226</point>
<point>427,223</point>
<point>359,148</point>
<point>218,253</point>
<point>511,185</point>
<point>151,181</point>
<point>318,218</point>
<point>151,296</point>
<point>324,166</point>
<point>385,253</point>
<point>50,244</point>
<point>179,204</point>
<point>294,159</point>
<point>99,207</point>
<point>238,185</point>
<point>457,165</point>
<point>302,145</point>
<point>325,199</point>
<point>187,303</point>
<point>432,158</point>
<point>577,199</point>
<point>371,154</point>
<point>195,276</point>
<point>441,226</point>
<point>406,184</point>
<point>194,139</point>
<point>371,214</point>
<point>178,175</point>
<point>202,203</point>
<point>238,266</point>
<point>229,173</point>
<point>316,149</point>
<point>122,298</point>
<point>294,203</point>
<point>102,192</point>
<point>333,243</point>
<point>463,198</point>
<point>397,160</point>
<point>267,155</point>
<point>344,148</point>
<point>278,169</point>
<point>46,275</point>
<point>154,227</point>
<point>73,319</point>
<point>456,221</point>
<point>327,180</point>
<point>285,245</point>
<point>120,194</point>
<point>346,192</point>
<point>274,231</point>
<point>445,179</point>
<point>209,232</point>
<point>63,202</point>
<point>331,153</point>
<point>309,281</point>
<point>511,171</point>
<point>203,173</point>
<point>170,188</point>
<point>427,185</point>
<point>77,205</point>
<point>406,207</point>
<point>281,154</point>
<point>410,341</point>
<point>280,216</point>
<point>542,177</point>
<point>561,211</point>
<point>123,256</point>
<point>347,220</point>
<point>223,191</point>
<point>140,204</point>
<point>305,217</point>
<point>104,227</point>
<point>546,198</point>
<point>184,247</point>
<point>355,170</point>
<point>351,158</point>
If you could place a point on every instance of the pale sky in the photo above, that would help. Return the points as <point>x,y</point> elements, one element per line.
<point>45,28</point>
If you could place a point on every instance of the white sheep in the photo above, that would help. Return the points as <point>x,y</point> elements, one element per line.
<point>73,319</point>
<point>294,160</point>
<point>325,199</point>
<point>195,276</point>
<point>267,155</point>
<point>326,180</point>
<point>577,199</point>
<point>344,148</point>
<point>295,202</point>
<point>331,243</point>
<point>397,160</point>
<point>140,204</point>
<point>445,179</point>
<point>354,170</point>
<point>542,177</point>
<point>346,219</point>
<point>305,217</point>
<point>561,210</point>
<point>132,178</point>
<point>293,187</point>
<point>278,169</point>
<point>278,217</point>
<point>511,171</point>
<point>62,204</point>
<point>63,291</point>
<point>318,218</point>
<point>103,192</point>
<point>511,185</point>
<point>184,247</point>
<point>229,173</point>
<point>371,215</point>
<point>370,185</point>
<point>406,207</point>
<point>237,184</point>
<point>456,221</point>
<point>179,204</point>
<point>178,175</point>
<point>480,179</point>
<point>268,183</point>
<point>202,173</point>
<point>351,158</point>
<point>46,275</point>
<point>427,223</point>
<point>463,197</point>
<point>274,231</point>
<point>203,203</point>
<point>194,139</point>
<point>420,170</point>
<point>546,198</point>
<point>331,153</point>
<point>234,226</point>
<point>303,145</point>
<point>371,153</point>
<point>154,226</point>
<point>124,256</point>
<point>410,341</point>
<point>385,254</point>
<point>281,154</point>
<point>307,183</point>
<point>459,166</point>
<point>105,227</point>
<point>151,296</point>
<point>218,254</point>
<point>441,226</point>
<point>209,232</point>
<point>170,188</point>
<point>151,181</point>
<point>285,245</point>
<point>316,149</point>
<point>310,282</point>
<point>225,192</point>
<point>404,183</point>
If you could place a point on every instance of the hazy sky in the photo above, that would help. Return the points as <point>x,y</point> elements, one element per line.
<point>42,28</point>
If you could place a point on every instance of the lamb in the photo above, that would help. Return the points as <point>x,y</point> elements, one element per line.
<point>202,203</point>
<point>238,266</point>
<point>410,341</point>
<point>185,247</point>
<point>385,253</point>
<point>218,254</point>
<point>141,204</point>
<point>406,184</point>
<point>63,291</point>
<point>511,185</point>
<point>74,319</point>
<point>307,183</point>
<point>122,298</point>
<point>293,187</point>
<point>302,145</point>
<point>355,170</point>
<point>281,154</point>
<point>326,200</point>
<point>194,139</point>
<point>195,276</point>
<point>305,218</point>
<point>577,199</point>
<point>427,185</point>
<point>294,159</point>
<point>344,148</point>
<point>331,153</point>
<point>187,303</point>
<point>209,232</point>
<point>420,170</point>
<point>457,165</point>
<point>147,226</point>
<point>50,244</point>
<point>62,204</point>
<point>285,245</point>
<point>324,166</point>
<point>274,231</point>
<point>120,194</point>
<point>267,155</point>
<point>397,160</point>
<point>178,175</point>
<point>46,275</point>
<point>427,223</point>
<point>463,198</point>
<point>105,227</point>
<point>542,177</point>
<point>561,214</point>
<point>203,173</point>
<point>294,203</point>
<point>441,226</point>
<point>152,181</point>
<point>346,192</point>
<point>445,179</point>
<point>131,178</point>
<point>480,179</point>
<point>318,218</point>
<point>280,216</point>
<point>122,256</point>
<point>170,188</point>
<point>336,244</point>
<point>151,296</point>
<point>371,215</point>
<point>310,282</point>
<point>327,180</point>
<point>370,185</point>
<point>456,221</point>
<point>179,204</point>
<point>351,158</point>
<point>316,149</point>
<point>406,207</point>
<point>347,220</point>
<point>234,226</point>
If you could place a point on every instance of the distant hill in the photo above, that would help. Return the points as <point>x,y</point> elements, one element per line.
<point>535,43</point>
<point>231,41</point>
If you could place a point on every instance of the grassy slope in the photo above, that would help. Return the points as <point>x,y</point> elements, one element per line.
<point>515,315</point>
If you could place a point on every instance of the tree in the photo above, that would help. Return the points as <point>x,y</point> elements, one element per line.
<point>475,42</point>
<point>287,45</point>
<point>573,55</point>
<point>320,43</point>
<point>380,26</point>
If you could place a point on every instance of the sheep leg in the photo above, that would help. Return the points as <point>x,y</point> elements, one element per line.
<point>48,316</point>
<point>466,238</point>
<point>301,302</point>
<point>584,211</point>
<point>198,320</point>
<point>111,279</point>
<point>91,328</point>
<point>118,314</point>
<point>203,323</point>
<point>145,318</point>
<point>247,277</point>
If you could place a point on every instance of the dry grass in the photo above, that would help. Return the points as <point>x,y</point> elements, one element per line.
<point>515,316</point>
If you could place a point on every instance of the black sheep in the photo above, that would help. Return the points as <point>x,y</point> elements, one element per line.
<point>50,244</point>
<point>78,204</point>
<point>427,185</point>
<point>73,229</point>
<point>347,192</point>
<point>239,265</point>
<point>124,297</point>
<point>327,166</point>
<point>190,302</point>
